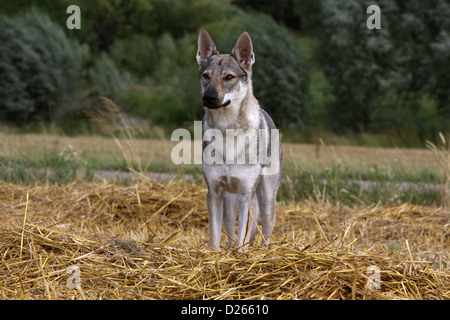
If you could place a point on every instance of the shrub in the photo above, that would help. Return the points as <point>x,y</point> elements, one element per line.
<point>107,77</point>
<point>39,66</point>
<point>136,54</point>
<point>379,76</point>
<point>181,17</point>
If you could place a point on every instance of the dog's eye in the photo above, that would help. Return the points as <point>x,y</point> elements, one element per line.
<point>229,77</point>
<point>206,76</point>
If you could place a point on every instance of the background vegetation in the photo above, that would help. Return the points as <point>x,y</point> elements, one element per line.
<point>319,69</point>
<point>322,75</point>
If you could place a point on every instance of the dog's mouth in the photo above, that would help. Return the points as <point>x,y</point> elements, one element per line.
<point>214,106</point>
<point>225,103</point>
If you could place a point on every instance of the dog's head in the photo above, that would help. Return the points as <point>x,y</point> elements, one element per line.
<point>224,77</point>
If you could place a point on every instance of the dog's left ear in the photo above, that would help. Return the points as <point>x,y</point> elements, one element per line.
<point>243,51</point>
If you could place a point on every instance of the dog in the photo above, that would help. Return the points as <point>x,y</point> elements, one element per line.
<point>232,110</point>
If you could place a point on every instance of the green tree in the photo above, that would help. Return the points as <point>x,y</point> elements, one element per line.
<point>181,17</point>
<point>116,19</point>
<point>136,54</point>
<point>39,66</point>
<point>281,11</point>
<point>378,76</point>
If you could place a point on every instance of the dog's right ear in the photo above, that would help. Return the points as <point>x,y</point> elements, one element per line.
<point>206,47</point>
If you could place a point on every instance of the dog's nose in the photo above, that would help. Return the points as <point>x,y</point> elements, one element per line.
<point>210,100</point>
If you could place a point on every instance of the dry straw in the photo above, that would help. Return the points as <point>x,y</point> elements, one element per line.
<point>441,154</point>
<point>146,241</point>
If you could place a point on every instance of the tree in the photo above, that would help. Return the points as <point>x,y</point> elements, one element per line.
<point>281,11</point>
<point>382,72</point>
<point>116,19</point>
<point>39,66</point>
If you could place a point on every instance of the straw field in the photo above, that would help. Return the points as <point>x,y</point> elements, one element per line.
<point>146,240</point>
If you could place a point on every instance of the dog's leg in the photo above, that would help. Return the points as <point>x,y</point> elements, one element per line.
<point>255,212</point>
<point>229,216</point>
<point>244,227</point>
<point>253,215</point>
<point>267,200</point>
<point>215,212</point>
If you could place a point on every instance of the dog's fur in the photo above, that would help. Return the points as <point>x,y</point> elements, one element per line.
<point>227,96</point>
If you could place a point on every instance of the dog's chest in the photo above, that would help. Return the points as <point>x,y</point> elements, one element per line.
<point>239,168</point>
<point>240,179</point>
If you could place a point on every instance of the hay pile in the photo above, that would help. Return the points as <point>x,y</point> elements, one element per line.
<point>146,241</point>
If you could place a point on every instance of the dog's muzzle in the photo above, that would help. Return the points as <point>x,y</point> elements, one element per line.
<point>212,102</point>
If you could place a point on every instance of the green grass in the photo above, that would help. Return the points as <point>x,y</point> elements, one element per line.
<point>356,186</point>
<point>338,174</point>
<point>337,184</point>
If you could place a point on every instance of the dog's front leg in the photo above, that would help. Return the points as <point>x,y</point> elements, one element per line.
<point>215,213</point>
<point>244,229</point>
<point>229,216</point>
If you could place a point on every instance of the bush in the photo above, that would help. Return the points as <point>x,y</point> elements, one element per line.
<point>161,105</point>
<point>136,55</point>
<point>280,74</point>
<point>107,77</point>
<point>181,17</point>
<point>39,66</point>
<point>167,91</point>
<point>379,76</point>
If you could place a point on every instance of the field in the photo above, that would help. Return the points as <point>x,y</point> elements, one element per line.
<point>146,241</point>
<point>342,174</point>
<point>136,238</point>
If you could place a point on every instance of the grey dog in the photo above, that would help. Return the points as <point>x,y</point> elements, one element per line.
<point>249,175</point>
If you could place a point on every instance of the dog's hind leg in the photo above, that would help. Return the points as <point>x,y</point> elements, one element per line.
<point>229,216</point>
<point>254,209</point>
<point>267,200</point>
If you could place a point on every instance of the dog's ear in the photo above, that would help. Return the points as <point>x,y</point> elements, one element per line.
<point>206,47</point>
<point>243,51</point>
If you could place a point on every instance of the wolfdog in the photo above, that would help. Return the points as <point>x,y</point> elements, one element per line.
<point>231,109</point>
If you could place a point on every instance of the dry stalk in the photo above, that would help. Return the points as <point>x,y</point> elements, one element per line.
<point>144,241</point>
<point>442,156</point>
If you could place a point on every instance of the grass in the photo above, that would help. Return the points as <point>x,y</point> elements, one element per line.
<point>346,174</point>
<point>442,159</point>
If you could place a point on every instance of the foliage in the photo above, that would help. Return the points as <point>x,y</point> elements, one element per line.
<point>173,96</point>
<point>142,53</point>
<point>107,77</point>
<point>136,54</point>
<point>180,17</point>
<point>281,10</point>
<point>39,66</point>
<point>374,73</point>
<point>110,20</point>
<point>102,21</point>
<point>309,14</point>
